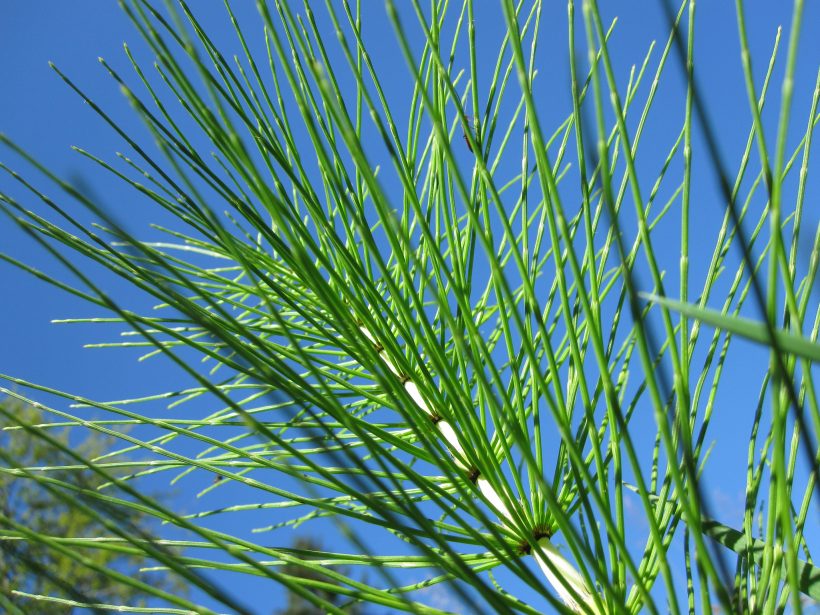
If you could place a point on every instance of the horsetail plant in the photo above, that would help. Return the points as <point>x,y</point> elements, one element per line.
<point>420,314</point>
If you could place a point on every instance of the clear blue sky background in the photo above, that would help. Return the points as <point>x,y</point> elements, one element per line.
<point>40,113</point>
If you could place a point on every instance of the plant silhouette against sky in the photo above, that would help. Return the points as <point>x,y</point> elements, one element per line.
<point>467,306</point>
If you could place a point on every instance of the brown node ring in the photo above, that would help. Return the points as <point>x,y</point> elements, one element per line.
<point>541,532</point>
<point>525,548</point>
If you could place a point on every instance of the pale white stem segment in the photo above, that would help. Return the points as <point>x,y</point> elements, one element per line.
<point>560,573</point>
<point>564,576</point>
<point>449,434</point>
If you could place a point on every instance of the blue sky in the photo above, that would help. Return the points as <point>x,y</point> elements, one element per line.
<point>41,114</point>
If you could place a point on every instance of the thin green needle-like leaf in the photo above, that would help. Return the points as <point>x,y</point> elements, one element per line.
<point>744,327</point>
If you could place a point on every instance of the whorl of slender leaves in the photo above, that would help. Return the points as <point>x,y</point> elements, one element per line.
<point>448,328</point>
